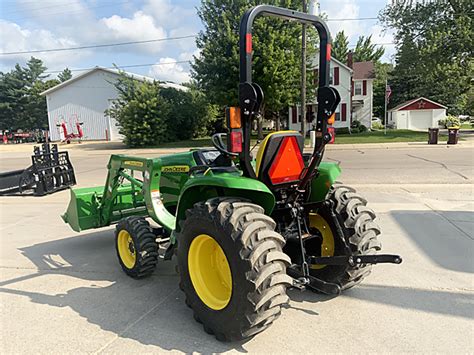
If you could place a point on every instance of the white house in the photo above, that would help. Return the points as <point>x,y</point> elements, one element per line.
<point>354,82</point>
<point>417,114</point>
<point>362,92</point>
<point>340,78</point>
<point>84,98</point>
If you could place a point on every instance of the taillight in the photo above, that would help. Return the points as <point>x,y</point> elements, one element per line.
<point>288,162</point>
<point>235,142</point>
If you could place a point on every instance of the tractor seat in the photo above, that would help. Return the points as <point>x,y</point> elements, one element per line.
<point>280,158</point>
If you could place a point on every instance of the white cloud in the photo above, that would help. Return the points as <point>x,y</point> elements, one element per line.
<point>14,38</point>
<point>349,9</point>
<point>189,55</point>
<point>138,28</point>
<point>379,35</point>
<point>168,70</point>
<point>166,14</point>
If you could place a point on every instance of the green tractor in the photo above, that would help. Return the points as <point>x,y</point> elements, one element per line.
<point>244,230</point>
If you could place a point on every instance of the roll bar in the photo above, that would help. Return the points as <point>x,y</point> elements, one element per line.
<point>251,96</point>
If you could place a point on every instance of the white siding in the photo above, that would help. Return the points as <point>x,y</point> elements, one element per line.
<point>439,114</point>
<point>363,114</point>
<point>417,119</point>
<point>86,99</point>
<point>344,89</point>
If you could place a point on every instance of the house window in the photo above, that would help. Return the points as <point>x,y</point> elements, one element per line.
<point>357,88</point>
<point>338,113</point>
<point>331,76</point>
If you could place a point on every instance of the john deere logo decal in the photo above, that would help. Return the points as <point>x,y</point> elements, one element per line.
<point>175,169</point>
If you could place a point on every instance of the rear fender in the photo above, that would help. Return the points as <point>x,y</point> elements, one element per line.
<point>328,173</point>
<point>202,188</point>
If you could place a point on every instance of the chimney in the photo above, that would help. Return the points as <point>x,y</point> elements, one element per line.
<point>349,60</point>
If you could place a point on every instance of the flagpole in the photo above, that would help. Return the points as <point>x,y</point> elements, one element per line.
<point>385,112</point>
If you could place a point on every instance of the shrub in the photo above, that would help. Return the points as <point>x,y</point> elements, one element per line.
<point>149,114</point>
<point>343,130</point>
<point>453,121</point>
<point>377,125</point>
<point>357,127</point>
<point>450,121</point>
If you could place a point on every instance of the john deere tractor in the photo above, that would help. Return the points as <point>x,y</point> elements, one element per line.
<point>244,228</point>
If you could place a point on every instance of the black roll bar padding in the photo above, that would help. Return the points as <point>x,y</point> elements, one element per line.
<point>245,48</point>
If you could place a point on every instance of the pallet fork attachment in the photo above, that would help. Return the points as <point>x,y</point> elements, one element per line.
<point>50,171</point>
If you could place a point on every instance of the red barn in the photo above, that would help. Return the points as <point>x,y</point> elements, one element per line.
<point>417,114</point>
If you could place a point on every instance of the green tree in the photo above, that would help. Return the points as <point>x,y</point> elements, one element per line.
<point>34,71</point>
<point>66,74</point>
<point>150,114</point>
<point>382,72</point>
<point>435,51</point>
<point>21,106</point>
<point>340,47</point>
<point>140,112</point>
<point>365,50</point>
<point>276,50</point>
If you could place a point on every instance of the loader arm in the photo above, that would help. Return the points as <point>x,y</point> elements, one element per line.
<point>132,188</point>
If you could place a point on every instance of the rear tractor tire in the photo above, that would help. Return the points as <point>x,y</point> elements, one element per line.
<point>359,231</point>
<point>232,268</point>
<point>136,247</point>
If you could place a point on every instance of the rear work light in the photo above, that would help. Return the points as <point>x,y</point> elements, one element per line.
<point>288,162</point>
<point>235,142</point>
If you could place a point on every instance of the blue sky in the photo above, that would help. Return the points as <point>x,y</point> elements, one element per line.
<point>32,25</point>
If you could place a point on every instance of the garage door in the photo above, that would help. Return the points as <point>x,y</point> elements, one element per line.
<point>420,120</point>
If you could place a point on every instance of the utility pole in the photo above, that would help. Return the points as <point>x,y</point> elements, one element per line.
<point>385,112</point>
<point>303,76</point>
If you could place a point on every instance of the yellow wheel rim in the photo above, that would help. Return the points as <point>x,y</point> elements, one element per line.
<point>327,245</point>
<point>210,272</point>
<point>126,249</point>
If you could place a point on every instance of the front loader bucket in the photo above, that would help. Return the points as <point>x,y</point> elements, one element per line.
<point>83,210</point>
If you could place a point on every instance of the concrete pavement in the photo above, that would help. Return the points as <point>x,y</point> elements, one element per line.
<point>63,292</point>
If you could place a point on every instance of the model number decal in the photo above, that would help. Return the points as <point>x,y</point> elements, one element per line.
<point>175,169</point>
<point>133,163</point>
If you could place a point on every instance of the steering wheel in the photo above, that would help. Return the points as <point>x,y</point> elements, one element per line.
<point>218,143</point>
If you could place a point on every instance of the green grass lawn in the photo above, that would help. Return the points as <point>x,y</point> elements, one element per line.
<point>467,126</point>
<point>392,136</point>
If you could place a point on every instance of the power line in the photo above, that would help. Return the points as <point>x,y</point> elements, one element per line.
<point>123,44</point>
<point>375,44</point>
<point>39,8</point>
<point>123,66</point>
<point>71,11</point>
<point>352,19</point>
<point>99,45</point>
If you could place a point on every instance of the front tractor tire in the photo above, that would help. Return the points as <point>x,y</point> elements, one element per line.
<point>359,231</point>
<point>136,247</point>
<point>232,268</point>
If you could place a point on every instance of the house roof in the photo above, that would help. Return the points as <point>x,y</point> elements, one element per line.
<point>112,71</point>
<point>363,70</point>
<point>409,102</point>
<point>341,64</point>
<point>338,62</point>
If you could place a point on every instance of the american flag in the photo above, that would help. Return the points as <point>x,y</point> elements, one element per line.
<point>388,92</point>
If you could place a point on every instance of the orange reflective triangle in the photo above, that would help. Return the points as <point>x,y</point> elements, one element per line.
<point>288,163</point>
